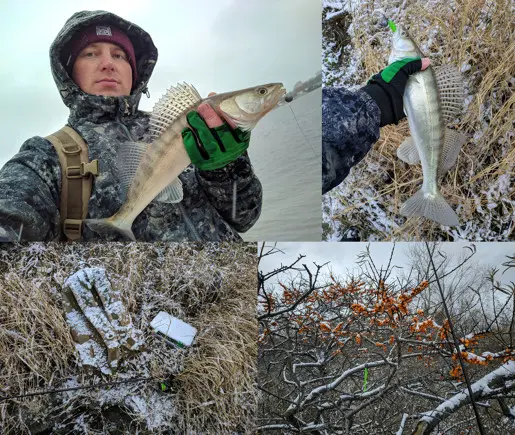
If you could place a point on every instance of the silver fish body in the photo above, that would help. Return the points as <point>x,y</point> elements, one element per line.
<point>423,109</point>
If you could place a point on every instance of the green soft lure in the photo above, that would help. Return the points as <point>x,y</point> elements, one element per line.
<point>392,26</point>
<point>365,379</point>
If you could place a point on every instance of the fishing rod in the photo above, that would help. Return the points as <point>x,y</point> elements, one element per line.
<point>164,386</point>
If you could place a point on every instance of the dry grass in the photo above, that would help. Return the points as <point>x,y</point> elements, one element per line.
<point>481,187</point>
<point>211,286</point>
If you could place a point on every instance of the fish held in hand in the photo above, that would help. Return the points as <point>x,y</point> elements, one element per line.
<point>150,171</point>
<point>432,99</point>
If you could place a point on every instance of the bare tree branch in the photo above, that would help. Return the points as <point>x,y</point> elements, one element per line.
<point>500,380</point>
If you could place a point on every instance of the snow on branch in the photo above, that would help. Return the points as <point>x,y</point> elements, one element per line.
<point>494,383</point>
<point>325,388</point>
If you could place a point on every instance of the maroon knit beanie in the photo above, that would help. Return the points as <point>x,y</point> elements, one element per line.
<point>101,33</point>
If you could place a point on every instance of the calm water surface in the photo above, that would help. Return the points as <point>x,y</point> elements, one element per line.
<point>285,151</point>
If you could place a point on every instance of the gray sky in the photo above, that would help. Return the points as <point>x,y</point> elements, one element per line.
<point>217,46</point>
<point>343,256</point>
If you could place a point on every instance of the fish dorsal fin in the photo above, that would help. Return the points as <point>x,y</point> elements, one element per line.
<point>171,105</point>
<point>129,157</point>
<point>450,87</point>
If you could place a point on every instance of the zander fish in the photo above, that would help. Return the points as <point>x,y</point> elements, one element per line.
<point>151,170</point>
<point>432,99</point>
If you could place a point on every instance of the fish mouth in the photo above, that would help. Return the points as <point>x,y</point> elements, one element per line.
<point>281,93</point>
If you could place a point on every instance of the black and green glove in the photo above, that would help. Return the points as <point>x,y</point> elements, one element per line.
<point>387,88</point>
<point>213,148</point>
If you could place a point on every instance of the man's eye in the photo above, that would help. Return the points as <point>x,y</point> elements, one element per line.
<point>88,54</point>
<point>120,56</point>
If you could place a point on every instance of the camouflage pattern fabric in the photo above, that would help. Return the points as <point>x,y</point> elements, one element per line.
<point>350,126</point>
<point>30,181</point>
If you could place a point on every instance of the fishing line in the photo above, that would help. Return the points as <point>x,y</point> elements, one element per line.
<point>456,343</point>
<point>84,387</point>
<point>298,125</point>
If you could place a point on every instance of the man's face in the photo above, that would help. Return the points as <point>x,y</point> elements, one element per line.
<point>102,68</point>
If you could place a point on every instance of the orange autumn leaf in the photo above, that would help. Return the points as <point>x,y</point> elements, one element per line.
<point>338,327</point>
<point>325,328</point>
<point>456,372</point>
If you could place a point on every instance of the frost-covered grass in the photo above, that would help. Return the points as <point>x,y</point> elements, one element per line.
<point>478,37</point>
<point>211,385</point>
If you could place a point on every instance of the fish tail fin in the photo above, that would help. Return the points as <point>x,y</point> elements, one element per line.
<point>103,226</point>
<point>431,206</point>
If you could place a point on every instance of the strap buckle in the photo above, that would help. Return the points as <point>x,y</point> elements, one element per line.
<point>83,170</point>
<point>89,168</point>
<point>72,228</point>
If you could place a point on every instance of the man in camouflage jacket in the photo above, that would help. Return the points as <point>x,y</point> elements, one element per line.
<point>351,120</point>
<point>30,183</point>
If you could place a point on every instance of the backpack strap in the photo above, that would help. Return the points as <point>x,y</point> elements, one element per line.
<point>76,179</point>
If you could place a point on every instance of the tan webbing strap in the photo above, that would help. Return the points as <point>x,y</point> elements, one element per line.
<point>76,179</point>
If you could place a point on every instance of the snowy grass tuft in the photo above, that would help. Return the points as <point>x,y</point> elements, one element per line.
<point>476,35</point>
<point>212,385</point>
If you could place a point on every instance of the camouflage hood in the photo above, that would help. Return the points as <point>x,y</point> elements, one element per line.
<point>82,104</point>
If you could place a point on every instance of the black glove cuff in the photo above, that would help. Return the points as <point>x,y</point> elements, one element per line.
<point>383,101</point>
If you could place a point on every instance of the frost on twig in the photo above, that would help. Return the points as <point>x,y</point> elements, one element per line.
<point>494,383</point>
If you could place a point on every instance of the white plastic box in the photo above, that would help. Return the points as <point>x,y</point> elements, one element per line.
<point>180,332</point>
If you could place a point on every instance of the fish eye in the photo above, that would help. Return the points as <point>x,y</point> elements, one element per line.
<point>262,91</point>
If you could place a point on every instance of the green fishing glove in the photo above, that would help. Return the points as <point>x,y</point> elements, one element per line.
<point>387,88</point>
<point>213,148</point>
